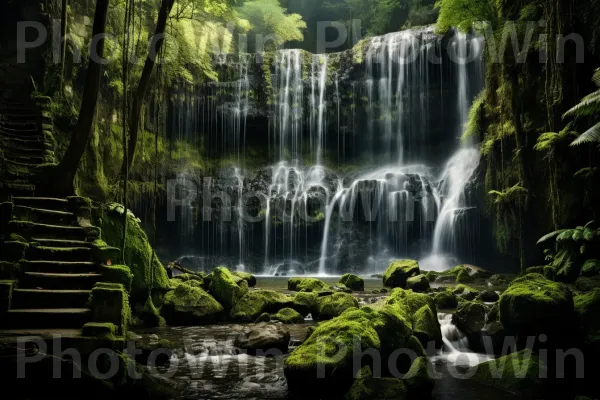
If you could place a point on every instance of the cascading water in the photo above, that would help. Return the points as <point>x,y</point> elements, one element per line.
<point>388,109</point>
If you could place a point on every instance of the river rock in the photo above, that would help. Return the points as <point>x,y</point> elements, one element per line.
<point>332,306</point>
<point>488,296</point>
<point>419,379</point>
<point>188,305</point>
<point>445,300</point>
<point>307,285</point>
<point>264,337</point>
<point>224,288</point>
<point>256,302</point>
<point>530,306</point>
<point>418,283</point>
<point>398,273</point>
<point>288,316</point>
<point>470,318</point>
<point>466,292</point>
<point>238,276</point>
<point>366,387</point>
<point>306,303</point>
<point>353,282</point>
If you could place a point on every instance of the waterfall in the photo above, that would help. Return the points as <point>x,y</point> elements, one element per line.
<point>456,345</point>
<point>288,124</point>
<point>321,108</point>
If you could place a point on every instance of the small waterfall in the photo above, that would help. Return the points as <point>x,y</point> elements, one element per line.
<point>290,95</point>
<point>454,340</point>
<point>240,213</point>
<point>321,107</point>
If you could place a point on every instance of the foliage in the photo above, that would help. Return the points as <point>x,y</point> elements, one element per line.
<point>589,106</point>
<point>465,14</point>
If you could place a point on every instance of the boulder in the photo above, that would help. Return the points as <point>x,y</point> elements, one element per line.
<point>530,307</point>
<point>492,338</point>
<point>488,296</point>
<point>445,300</point>
<point>288,316</point>
<point>306,303</point>
<point>498,280</point>
<point>585,284</point>
<point>256,302</point>
<point>264,337</point>
<point>587,310</point>
<point>366,387</point>
<point>470,318</point>
<point>307,285</point>
<point>420,309</point>
<point>332,306</point>
<point>466,292</point>
<point>398,273</point>
<point>188,305</point>
<point>225,289</point>
<point>515,373</point>
<point>418,283</point>
<point>353,282</point>
<point>419,379</point>
<point>590,268</point>
<point>238,276</point>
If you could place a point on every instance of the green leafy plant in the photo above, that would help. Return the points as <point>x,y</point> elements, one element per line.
<point>589,106</point>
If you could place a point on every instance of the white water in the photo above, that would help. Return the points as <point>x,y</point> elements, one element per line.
<point>456,345</point>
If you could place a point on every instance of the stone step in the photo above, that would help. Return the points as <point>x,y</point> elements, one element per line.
<point>18,127</point>
<point>23,159</point>
<point>45,203</point>
<point>58,254</point>
<point>59,267</point>
<point>33,141</point>
<point>51,280</point>
<point>36,298</point>
<point>44,231</point>
<point>17,164</point>
<point>17,188</point>
<point>43,216</point>
<point>61,243</point>
<point>17,149</point>
<point>23,116</point>
<point>51,318</point>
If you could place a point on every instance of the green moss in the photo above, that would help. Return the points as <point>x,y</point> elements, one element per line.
<point>530,304</point>
<point>13,237</point>
<point>470,317</point>
<point>419,379</point>
<point>466,292</point>
<point>460,273</point>
<point>150,315</point>
<point>288,316</point>
<point>188,305</point>
<point>225,289</point>
<point>307,285</point>
<point>445,300</point>
<point>366,387</point>
<point>519,372</point>
<point>415,345</point>
<point>104,330</point>
<point>238,275</point>
<point>109,302</point>
<point>426,326</point>
<point>334,305</point>
<point>399,271</point>
<point>587,309</point>
<point>6,292</point>
<point>590,268</point>
<point>306,303</point>
<point>418,283</point>
<point>147,271</point>
<point>189,277</point>
<point>353,282</point>
<point>117,274</point>
<point>256,302</point>
<point>9,270</point>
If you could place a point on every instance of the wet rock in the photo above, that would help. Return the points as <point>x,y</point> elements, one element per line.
<point>256,302</point>
<point>398,273</point>
<point>224,288</point>
<point>332,306</point>
<point>188,305</point>
<point>365,387</point>
<point>445,300</point>
<point>239,276</point>
<point>307,285</point>
<point>492,338</point>
<point>419,379</point>
<point>488,296</point>
<point>418,283</point>
<point>264,337</point>
<point>353,282</point>
<point>306,303</point>
<point>466,292</point>
<point>288,316</point>
<point>470,318</point>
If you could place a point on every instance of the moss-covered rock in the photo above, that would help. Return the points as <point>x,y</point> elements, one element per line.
<point>332,306</point>
<point>188,305</point>
<point>307,285</point>
<point>353,282</point>
<point>516,373</point>
<point>324,362</point>
<point>265,337</point>
<point>587,309</point>
<point>110,304</point>
<point>150,316</point>
<point>365,387</point>
<point>117,274</point>
<point>488,296</point>
<point>585,284</point>
<point>432,276</point>
<point>256,302</point>
<point>306,303</point>
<point>190,277</point>
<point>498,280</point>
<point>419,379</point>
<point>104,330</point>
<point>139,256</point>
<point>470,318</point>
<point>590,268</point>
<point>288,316</point>
<point>418,283</point>
<point>239,275</point>
<point>466,292</point>
<point>224,288</point>
<point>530,305</point>
<point>398,273</point>
<point>445,300</point>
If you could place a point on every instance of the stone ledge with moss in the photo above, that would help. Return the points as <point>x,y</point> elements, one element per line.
<point>110,304</point>
<point>398,273</point>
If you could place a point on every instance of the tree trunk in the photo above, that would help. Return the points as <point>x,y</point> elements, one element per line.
<point>138,98</point>
<point>70,163</point>
<point>63,32</point>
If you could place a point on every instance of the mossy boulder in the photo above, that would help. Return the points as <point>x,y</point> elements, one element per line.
<point>353,282</point>
<point>306,303</point>
<point>267,337</point>
<point>139,256</point>
<point>188,305</point>
<point>249,278</point>
<point>366,387</point>
<point>398,273</point>
<point>587,310</point>
<point>150,316</point>
<point>515,373</point>
<point>419,379</point>
<point>585,284</point>
<point>530,306</point>
<point>224,288</point>
<point>307,285</point>
<point>498,280</point>
<point>470,318</point>
<point>445,300</point>
<point>335,304</point>
<point>418,283</point>
<point>256,302</point>
<point>466,292</point>
<point>590,268</point>
<point>488,296</point>
<point>288,316</point>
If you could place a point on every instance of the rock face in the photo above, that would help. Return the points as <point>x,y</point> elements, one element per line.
<point>470,318</point>
<point>418,283</point>
<point>366,387</point>
<point>225,289</point>
<point>332,306</point>
<point>398,273</point>
<point>353,282</point>
<point>530,306</point>
<point>188,305</point>
<point>257,302</point>
<point>264,337</point>
<point>307,285</point>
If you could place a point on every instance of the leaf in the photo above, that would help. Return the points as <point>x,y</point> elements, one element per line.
<point>590,224</point>
<point>566,235</point>
<point>589,105</point>
<point>549,236</point>
<point>589,234</point>
<point>577,235</point>
<point>589,136</point>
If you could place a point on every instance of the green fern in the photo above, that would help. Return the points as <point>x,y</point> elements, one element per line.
<point>588,106</point>
<point>589,136</point>
<point>510,195</point>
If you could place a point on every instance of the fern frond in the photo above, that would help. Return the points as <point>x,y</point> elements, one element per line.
<point>549,236</point>
<point>589,105</point>
<point>589,136</point>
<point>586,172</point>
